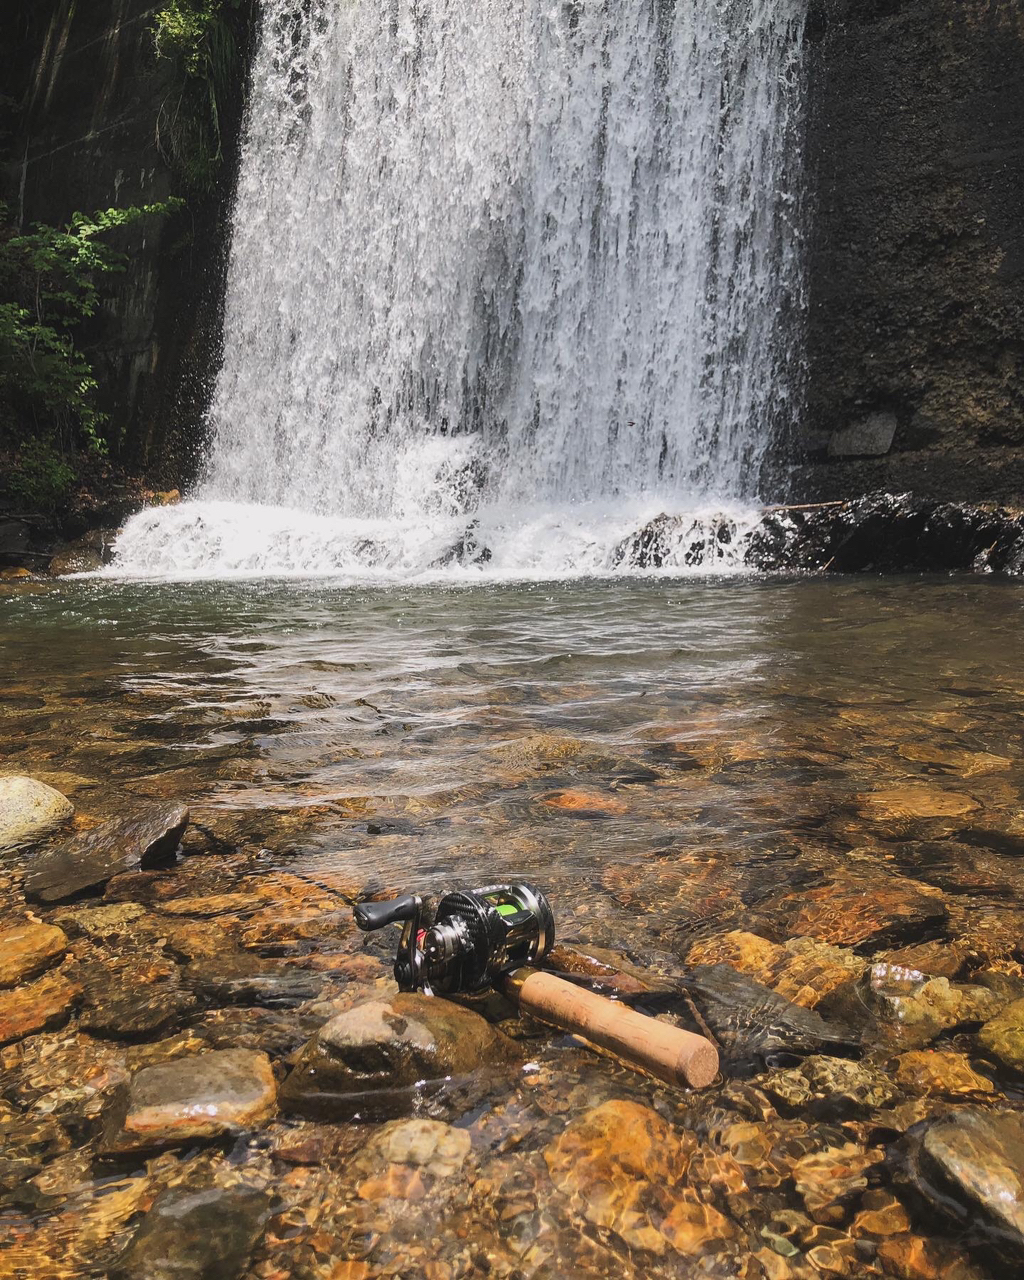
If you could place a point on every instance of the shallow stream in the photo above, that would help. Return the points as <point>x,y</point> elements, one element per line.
<point>669,761</point>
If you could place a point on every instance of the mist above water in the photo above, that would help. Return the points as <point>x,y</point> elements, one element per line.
<point>524,269</point>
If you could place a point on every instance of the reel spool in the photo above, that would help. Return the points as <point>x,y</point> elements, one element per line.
<point>477,936</point>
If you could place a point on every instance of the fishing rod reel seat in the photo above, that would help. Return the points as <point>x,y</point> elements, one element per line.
<point>476,937</point>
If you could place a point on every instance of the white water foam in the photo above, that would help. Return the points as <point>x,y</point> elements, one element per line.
<point>518,267</point>
<point>223,540</point>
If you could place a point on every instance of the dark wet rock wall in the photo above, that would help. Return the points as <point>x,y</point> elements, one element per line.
<point>85,126</point>
<point>915,339</point>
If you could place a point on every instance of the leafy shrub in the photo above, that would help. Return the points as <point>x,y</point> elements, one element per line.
<point>41,477</point>
<point>48,286</point>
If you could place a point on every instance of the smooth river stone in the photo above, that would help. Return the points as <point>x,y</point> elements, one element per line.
<point>36,1007</point>
<point>370,1056</point>
<point>146,838</point>
<point>857,910</point>
<point>195,1235</point>
<point>605,1162</point>
<point>1003,1036</point>
<point>190,1098</point>
<point>932,1071</point>
<point>914,802</point>
<point>585,803</point>
<point>969,1166</point>
<point>29,810</point>
<point>26,946</point>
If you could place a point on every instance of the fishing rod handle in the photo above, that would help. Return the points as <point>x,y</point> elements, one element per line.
<point>669,1053</point>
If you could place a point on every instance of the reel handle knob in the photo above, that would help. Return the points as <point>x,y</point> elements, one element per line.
<point>375,915</point>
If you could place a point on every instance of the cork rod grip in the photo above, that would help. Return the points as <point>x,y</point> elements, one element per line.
<point>678,1057</point>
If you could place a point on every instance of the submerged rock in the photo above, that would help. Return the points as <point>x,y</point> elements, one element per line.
<point>868,911</point>
<point>189,1098</point>
<point>920,1007</point>
<point>26,946</point>
<point>368,1058</point>
<point>1003,1036</point>
<point>751,1020</point>
<point>969,1168</point>
<point>438,1149</point>
<point>195,1235</point>
<point>605,1161</point>
<point>29,810</point>
<point>36,1007</point>
<point>146,838</point>
<point>939,1072</point>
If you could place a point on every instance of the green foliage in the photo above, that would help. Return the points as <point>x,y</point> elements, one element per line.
<point>41,477</point>
<point>198,36</point>
<point>48,285</point>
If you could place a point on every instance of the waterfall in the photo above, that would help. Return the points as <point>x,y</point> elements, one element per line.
<point>507,278</point>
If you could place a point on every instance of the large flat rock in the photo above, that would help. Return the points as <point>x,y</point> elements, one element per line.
<point>191,1098</point>
<point>148,837</point>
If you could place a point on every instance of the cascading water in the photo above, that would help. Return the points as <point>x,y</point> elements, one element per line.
<point>507,279</point>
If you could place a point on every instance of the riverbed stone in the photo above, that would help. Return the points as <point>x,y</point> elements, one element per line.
<point>605,1162</point>
<point>858,910</point>
<point>190,1098</point>
<point>585,804</point>
<point>1003,1036</point>
<point>437,1148</point>
<point>26,947</point>
<point>37,1006</point>
<point>919,1007</point>
<point>195,1235</point>
<point>75,559</point>
<point>29,810</point>
<point>829,1181</point>
<point>148,837</point>
<point>377,1050</point>
<point>934,1071</point>
<point>969,1168</point>
<point>915,802</point>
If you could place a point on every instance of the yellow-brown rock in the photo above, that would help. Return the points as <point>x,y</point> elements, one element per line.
<point>915,1258</point>
<point>741,950</point>
<point>26,946</point>
<point>855,909</point>
<point>693,1227</point>
<point>914,802</point>
<point>606,1161</point>
<point>932,1071</point>
<point>936,959</point>
<point>585,802</point>
<point>828,1180</point>
<point>881,1215</point>
<point>36,1006</point>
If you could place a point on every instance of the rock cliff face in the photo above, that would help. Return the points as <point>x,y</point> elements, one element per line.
<point>89,106</point>
<point>915,338</point>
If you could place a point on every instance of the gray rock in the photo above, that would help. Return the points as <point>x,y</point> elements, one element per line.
<point>969,1167</point>
<point>75,560</point>
<point>29,810</point>
<point>368,1059</point>
<point>195,1235</point>
<point>751,1020</point>
<point>146,838</point>
<point>870,437</point>
<point>200,1096</point>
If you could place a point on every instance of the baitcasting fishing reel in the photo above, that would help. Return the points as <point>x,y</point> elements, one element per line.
<point>477,935</point>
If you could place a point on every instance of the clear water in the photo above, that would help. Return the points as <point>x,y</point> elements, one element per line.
<point>341,740</point>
